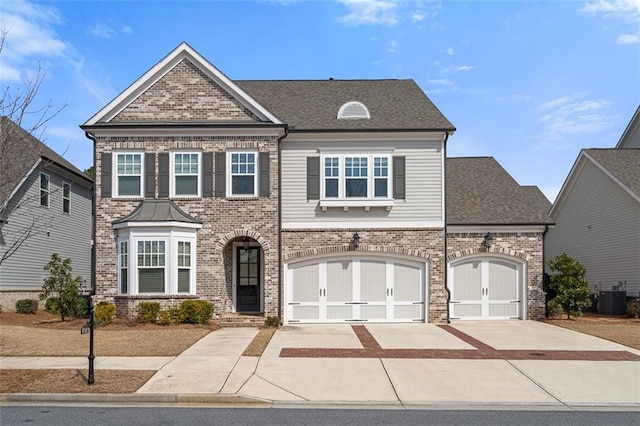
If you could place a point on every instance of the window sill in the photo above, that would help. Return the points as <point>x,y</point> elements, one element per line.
<point>241,197</point>
<point>386,203</point>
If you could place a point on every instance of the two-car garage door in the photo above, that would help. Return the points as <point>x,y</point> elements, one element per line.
<point>352,289</point>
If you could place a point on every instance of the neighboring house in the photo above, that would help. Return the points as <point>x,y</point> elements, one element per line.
<point>597,215</point>
<point>631,136</point>
<point>495,234</point>
<point>45,207</point>
<point>315,201</point>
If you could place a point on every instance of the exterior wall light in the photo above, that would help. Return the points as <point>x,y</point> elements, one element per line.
<point>355,242</point>
<point>488,240</point>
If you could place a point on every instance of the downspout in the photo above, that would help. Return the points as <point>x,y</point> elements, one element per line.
<point>445,267</point>
<point>280,266</point>
<point>93,213</point>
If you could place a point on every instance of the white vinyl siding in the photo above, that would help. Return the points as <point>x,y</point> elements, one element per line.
<point>424,180</point>
<point>598,225</point>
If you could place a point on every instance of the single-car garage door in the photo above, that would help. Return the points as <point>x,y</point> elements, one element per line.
<point>355,289</point>
<point>485,288</point>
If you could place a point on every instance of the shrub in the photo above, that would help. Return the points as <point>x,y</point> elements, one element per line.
<point>196,311</point>
<point>633,307</point>
<point>63,285</point>
<point>170,316</point>
<point>83,307</point>
<point>104,311</point>
<point>51,305</point>
<point>27,306</point>
<point>148,311</point>
<point>570,284</point>
<point>272,322</point>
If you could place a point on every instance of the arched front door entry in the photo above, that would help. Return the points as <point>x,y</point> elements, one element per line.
<point>247,275</point>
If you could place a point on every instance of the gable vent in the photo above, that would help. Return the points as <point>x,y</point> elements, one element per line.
<point>353,110</point>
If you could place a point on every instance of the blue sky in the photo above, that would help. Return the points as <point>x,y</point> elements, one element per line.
<point>527,82</point>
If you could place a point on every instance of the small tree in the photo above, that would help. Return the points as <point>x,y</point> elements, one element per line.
<point>62,286</point>
<point>570,284</point>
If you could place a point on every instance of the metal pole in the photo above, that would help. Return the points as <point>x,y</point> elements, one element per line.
<point>91,357</point>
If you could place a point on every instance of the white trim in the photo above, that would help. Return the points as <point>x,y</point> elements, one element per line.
<point>65,198</point>
<point>175,131</point>
<point>115,175</point>
<point>338,224</point>
<point>21,182</point>
<point>167,224</point>
<point>483,229</point>
<point>342,200</point>
<point>172,174</point>
<point>48,190</point>
<point>631,128</point>
<point>612,176</point>
<point>435,137</point>
<point>256,173</point>
<point>148,79</point>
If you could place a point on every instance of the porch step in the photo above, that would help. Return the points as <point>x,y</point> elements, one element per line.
<point>238,320</point>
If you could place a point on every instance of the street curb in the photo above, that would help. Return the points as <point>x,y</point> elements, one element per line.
<point>133,398</point>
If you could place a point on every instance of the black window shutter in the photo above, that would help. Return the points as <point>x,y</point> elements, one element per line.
<point>264,174</point>
<point>163,175</point>
<point>399,181</point>
<point>313,178</point>
<point>221,186</point>
<point>149,175</point>
<point>207,174</point>
<point>105,175</point>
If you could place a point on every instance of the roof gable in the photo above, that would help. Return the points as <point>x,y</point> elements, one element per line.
<point>631,136</point>
<point>620,164</point>
<point>211,95</point>
<point>481,192</point>
<point>20,153</point>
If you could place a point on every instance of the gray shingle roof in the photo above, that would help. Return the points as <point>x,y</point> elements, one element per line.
<point>314,104</point>
<point>623,163</point>
<point>157,211</point>
<point>480,191</point>
<point>19,151</point>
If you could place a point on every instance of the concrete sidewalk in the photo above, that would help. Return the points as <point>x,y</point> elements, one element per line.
<point>438,367</point>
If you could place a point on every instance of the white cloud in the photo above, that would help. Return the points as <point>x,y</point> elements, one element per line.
<point>621,10</point>
<point>417,16</point>
<point>102,31</point>
<point>628,39</point>
<point>370,12</point>
<point>441,82</point>
<point>126,29</point>
<point>30,36</point>
<point>569,116</point>
<point>449,51</point>
<point>392,47</point>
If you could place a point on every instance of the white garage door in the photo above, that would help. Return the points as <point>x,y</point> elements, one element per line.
<point>485,289</point>
<point>355,289</point>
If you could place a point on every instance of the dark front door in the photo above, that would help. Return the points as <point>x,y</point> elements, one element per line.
<point>248,279</point>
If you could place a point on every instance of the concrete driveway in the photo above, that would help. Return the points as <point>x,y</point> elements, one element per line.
<point>514,363</point>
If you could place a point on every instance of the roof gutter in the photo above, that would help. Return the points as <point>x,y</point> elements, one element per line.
<point>444,260</point>
<point>280,265</point>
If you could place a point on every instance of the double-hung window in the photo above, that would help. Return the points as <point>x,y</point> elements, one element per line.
<point>129,173</point>
<point>45,189</point>
<point>243,174</point>
<point>66,197</point>
<point>184,266</point>
<point>356,177</point>
<point>186,174</point>
<point>124,267</point>
<point>151,266</point>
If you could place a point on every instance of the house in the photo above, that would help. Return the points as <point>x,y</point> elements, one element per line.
<point>45,208</point>
<point>597,214</point>
<point>310,200</point>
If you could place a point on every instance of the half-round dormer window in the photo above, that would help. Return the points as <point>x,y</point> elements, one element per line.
<point>353,110</point>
